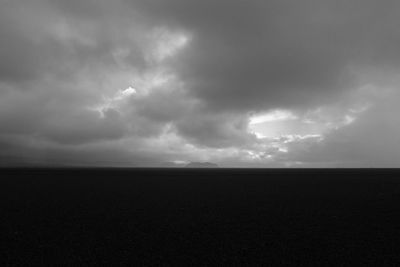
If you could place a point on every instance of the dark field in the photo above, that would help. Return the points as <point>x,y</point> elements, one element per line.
<point>173,217</point>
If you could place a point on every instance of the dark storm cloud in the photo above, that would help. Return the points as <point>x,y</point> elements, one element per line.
<point>266,54</point>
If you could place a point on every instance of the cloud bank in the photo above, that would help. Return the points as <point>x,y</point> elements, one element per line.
<point>241,83</point>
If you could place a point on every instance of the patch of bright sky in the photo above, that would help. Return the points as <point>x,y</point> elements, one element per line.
<point>274,115</point>
<point>316,122</point>
<point>121,94</point>
<point>278,129</point>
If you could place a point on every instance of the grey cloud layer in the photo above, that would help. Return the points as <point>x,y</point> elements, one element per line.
<point>60,58</point>
<point>371,141</point>
<point>263,54</point>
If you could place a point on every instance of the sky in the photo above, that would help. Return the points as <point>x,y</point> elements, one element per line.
<point>160,83</point>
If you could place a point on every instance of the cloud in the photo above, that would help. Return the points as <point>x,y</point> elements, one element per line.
<point>278,54</point>
<point>222,130</point>
<point>372,140</point>
<point>246,83</point>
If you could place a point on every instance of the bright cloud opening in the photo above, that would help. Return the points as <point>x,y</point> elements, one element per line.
<point>275,115</point>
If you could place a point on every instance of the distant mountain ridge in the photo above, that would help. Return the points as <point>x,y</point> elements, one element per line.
<point>201,165</point>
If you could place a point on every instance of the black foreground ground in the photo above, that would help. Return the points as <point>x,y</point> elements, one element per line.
<point>188,217</point>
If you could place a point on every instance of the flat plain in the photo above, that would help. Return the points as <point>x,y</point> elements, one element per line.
<point>207,217</point>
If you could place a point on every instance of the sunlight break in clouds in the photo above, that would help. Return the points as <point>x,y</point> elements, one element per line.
<point>275,115</point>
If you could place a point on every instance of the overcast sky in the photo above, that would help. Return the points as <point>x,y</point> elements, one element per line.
<point>241,83</point>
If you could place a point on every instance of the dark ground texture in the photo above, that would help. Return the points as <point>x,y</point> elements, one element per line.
<point>208,217</point>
